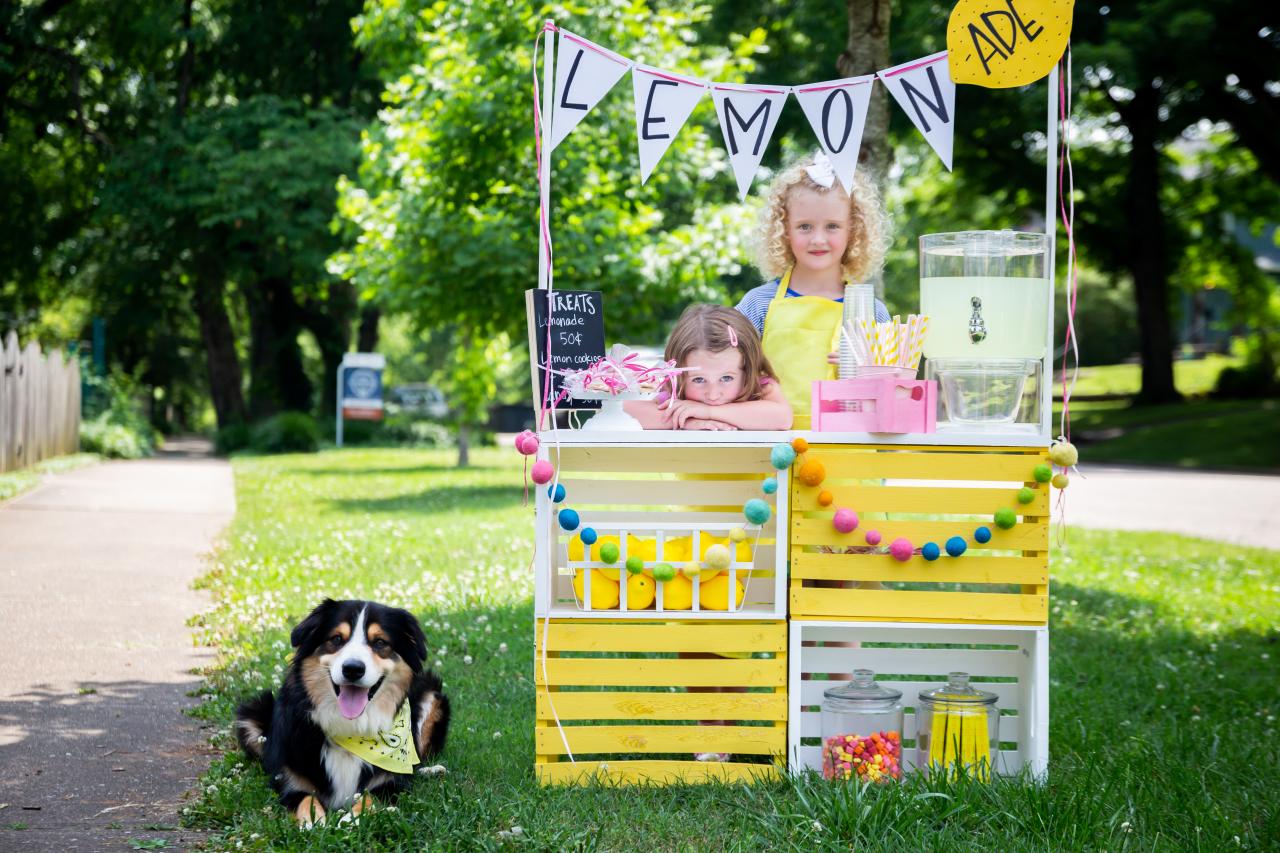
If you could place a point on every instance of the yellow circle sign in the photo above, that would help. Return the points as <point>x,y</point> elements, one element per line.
<point>1000,44</point>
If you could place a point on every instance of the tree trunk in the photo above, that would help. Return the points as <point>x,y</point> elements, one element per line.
<point>867,51</point>
<point>330,321</point>
<point>464,446</point>
<point>225,378</point>
<point>277,380</point>
<point>1147,261</point>
<point>367,338</point>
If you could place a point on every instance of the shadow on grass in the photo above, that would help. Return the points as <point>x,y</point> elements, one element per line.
<point>444,497</point>
<point>407,469</point>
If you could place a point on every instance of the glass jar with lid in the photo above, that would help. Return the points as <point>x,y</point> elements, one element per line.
<point>862,730</point>
<point>957,728</point>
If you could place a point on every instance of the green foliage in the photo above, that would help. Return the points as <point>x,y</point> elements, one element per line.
<point>114,424</point>
<point>287,432</point>
<point>232,437</point>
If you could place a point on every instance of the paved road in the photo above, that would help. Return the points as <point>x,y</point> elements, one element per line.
<point>1239,508</point>
<point>95,573</point>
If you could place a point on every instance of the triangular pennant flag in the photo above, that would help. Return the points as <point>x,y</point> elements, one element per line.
<point>924,90</point>
<point>585,73</point>
<point>837,111</point>
<point>663,104</point>
<point>748,115</point>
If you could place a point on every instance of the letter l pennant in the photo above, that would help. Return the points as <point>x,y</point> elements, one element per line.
<point>585,72</point>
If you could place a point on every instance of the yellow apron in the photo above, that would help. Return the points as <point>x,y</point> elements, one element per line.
<point>799,331</point>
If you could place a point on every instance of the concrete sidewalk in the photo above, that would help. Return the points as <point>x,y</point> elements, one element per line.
<point>96,568</point>
<point>1237,508</point>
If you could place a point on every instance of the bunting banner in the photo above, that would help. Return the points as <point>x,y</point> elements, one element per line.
<point>924,91</point>
<point>837,112</point>
<point>748,115</point>
<point>585,72</point>
<point>663,103</point>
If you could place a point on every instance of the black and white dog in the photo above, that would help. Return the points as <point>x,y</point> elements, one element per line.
<point>338,730</point>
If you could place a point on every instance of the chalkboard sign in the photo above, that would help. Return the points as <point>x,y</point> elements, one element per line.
<point>577,338</point>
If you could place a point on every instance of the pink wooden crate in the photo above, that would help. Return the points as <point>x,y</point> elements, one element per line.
<point>884,405</point>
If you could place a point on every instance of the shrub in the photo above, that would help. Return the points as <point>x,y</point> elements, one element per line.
<point>117,428</point>
<point>287,432</point>
<point>232,437</point>
<point>1250,382</point>
<point>114,440</point>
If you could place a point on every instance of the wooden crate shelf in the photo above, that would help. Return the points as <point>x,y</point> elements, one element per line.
<point>908,658</point>
<point>926,494</point>
<point>627,712</point>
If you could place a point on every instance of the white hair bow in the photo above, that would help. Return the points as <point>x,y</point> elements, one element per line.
<point>821,172</point>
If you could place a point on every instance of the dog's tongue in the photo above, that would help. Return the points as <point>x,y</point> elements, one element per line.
<point>352,699</point>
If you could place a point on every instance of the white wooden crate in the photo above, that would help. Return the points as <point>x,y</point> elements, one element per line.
<point>661,494</point>
<point>1021,658</point>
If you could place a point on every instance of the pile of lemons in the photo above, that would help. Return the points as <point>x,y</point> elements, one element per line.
<point>644,571</point>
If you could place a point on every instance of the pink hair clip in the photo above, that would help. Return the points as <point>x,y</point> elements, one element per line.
<point>733,336</point>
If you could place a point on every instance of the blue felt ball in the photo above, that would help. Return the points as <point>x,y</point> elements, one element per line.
<point>956,546</point>
<point>588,535</point>
<point>982,535</point>
<point>782,455</point>
<point>756,511</point>
<point>569,519</point>
<point>556,492</point>
<point>930,551</point>
<point>770,485</point>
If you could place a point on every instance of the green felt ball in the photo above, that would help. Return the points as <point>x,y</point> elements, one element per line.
<point>1026,495</point>
<point>664,572</point>
<point>756,511</point>
<point>1006,518</point>
<point>609,552</point>
<point>635,565</point>
<point>1042,473</point>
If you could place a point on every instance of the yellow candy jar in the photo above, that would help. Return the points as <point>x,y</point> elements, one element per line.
<point>957,728</point>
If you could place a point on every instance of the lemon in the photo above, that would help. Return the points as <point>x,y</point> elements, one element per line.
<point>640,592</point>
<point>677,594</point>
<point>604,592</point>
<point>714,594</point>
<point>998,50</point>
<point>678,550</point>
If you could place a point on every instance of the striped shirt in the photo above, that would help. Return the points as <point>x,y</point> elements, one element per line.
<point>755,305</point>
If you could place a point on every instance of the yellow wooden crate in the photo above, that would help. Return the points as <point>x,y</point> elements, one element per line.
<point>609,684</point>
<point>926,494</point>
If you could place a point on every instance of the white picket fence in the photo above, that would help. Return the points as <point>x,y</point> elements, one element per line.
<point>39,404</point>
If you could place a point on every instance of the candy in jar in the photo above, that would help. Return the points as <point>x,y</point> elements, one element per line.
<point>862,730</point>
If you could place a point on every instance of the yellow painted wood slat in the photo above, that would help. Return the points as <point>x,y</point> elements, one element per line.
<point>593,636</point>
<point>902,605</point>
<point>589,740</point>
<point>575,705</point>
<point>691,460</point>
<point>648,672</point>
<point>919,499</point>
<point>653,772</point>
<point>856,464</point>
<point>732,493</point>
<point>1023,537</point>
<point>969,568</point>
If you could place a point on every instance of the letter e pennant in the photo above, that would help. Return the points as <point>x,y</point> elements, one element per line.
<point>748,115</point>
<point>585,73</point>
<point>663,104</point>
<point>924,90</point>
<point>837,111</point>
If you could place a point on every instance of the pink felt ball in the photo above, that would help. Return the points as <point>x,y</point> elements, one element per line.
<point>527,443</point>
<point>845,521</point>
<point>873,537</point>
<point>542,472</point>
<point>901,549</point>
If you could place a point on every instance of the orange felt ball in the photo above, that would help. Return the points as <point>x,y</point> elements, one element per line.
<point>799,445</point>
<point>825,498</point>
<point>812,473</point>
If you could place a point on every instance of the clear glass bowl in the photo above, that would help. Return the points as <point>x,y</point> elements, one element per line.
<point>982,391</point>
<point>862,730</point>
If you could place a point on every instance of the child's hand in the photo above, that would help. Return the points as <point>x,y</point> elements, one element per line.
<point>682,410</point>
<point>706,424</point>
<point>833,358</point>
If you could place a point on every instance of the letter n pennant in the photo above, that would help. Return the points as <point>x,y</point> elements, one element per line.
<point>663,104</point>
<point>924,90</point>
<point>748,115</point>
<point>585,73</point>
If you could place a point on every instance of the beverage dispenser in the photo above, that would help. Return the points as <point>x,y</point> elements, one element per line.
<point>986,294</point>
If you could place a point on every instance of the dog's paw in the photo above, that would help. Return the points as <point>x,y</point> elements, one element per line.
<point>433,770</point>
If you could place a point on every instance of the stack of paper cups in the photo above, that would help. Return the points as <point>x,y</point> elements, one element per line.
<point>855,349</point>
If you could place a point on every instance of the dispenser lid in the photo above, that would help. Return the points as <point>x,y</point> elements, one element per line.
<point>863,688</point>
<point>958,691</point>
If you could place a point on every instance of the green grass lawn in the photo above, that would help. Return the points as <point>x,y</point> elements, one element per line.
<point>1193,378</point>
<point>1164,687</point>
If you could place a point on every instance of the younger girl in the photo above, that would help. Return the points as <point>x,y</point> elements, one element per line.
<point>728,383</point>
<point>814,238</point>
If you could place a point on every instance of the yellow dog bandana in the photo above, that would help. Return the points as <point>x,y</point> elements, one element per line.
<point>392,750</point>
